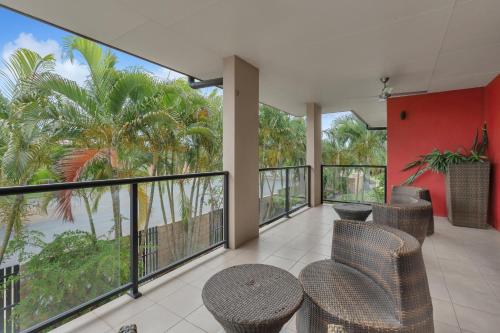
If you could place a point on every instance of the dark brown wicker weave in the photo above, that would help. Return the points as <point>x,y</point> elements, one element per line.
<point>410,215</point>
<point>417,193</point>
<point>353,211</point>
<point>252,298</point>
<point>375,282</point>
<point>128,329</point>
<point>467,194</point>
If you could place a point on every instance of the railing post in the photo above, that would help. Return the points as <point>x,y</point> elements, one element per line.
<point>321,182</point>
<point>309,186</point>
<point>134,241</point>
<point>287,191</point>
<point>225,212</point>
<point>385,184</point>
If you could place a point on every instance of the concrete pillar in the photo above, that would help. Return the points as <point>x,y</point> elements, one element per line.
<point>241,148</point>
<point>313,150</point>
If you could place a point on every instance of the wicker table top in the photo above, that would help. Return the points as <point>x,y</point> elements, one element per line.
<point>253,297</point>
<point>353,211</point>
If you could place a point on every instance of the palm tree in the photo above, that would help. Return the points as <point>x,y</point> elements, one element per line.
<point>25,139</point>
<point>96,118</point>
<point>277,130</point>
<point>367,146</point>
<point>349,142</point>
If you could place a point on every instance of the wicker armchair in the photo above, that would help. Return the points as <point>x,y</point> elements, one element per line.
<point>417,193</point>
<point>375,282</point>
<point>407,214</point>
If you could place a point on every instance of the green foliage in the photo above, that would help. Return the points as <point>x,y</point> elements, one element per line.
<point>348,141</point>
<point>4,102</point>
<point>437,161</point>
<point>282,138</point>
<point>69,270</point>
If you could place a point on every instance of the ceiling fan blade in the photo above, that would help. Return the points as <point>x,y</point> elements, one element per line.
<point>409,93</point>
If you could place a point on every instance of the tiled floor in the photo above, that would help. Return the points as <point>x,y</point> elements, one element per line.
<point>463,267</point>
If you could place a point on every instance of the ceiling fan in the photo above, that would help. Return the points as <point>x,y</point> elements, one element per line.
<point>387,91</point>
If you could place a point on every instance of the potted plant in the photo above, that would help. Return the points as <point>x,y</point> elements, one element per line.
<point>467,181</point>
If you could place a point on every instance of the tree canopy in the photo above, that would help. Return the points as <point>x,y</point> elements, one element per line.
<point>348,141</point>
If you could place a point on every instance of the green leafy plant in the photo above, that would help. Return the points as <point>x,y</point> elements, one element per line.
<point>439,162</point>
<point>71,269</point>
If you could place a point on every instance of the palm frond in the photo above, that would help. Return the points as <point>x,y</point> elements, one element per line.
<point>71,167</point>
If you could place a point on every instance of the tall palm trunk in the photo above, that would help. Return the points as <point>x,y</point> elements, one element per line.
<point>170,238</point>
<point>115,199</point>
<point>191,205</point>
<point>184,219</point>
<point>173,235</point>
<point>148,212</point>
<point>14,216</point>
<point>89,213</point>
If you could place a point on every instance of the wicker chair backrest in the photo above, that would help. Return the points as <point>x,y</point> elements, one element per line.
<point>407,214</point>
<point>400,191</point>
<point>391,258</point>
<point>411,191</point>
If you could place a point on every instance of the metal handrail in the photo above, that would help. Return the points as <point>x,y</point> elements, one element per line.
<point>26,189</point>
<point>354,166</point>
<point>285,167</point>
<point>133,285</point>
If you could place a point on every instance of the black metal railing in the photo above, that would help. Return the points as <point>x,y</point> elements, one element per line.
<point>282,191</point>
<point>354,183</point>
<point>188,209</point>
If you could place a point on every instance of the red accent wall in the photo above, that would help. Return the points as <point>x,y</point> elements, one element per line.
<point>492,117</point>
<point>446,120</point>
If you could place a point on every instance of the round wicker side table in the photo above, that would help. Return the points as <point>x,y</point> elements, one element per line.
<point>252,298</point>
<point>356,212</point>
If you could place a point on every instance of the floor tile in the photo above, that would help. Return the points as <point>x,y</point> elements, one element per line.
<point>440,327</point>
<point>477,321</point>
<point>478,285</point>
<point>495,286</point>
<point>279,262</point>
<point>88,323</point>
<point>203,319</point>
<point>312,256</point>
<point>444,312</point>
<point>290,253</point>
<point>183,301</point>
<point>154,319</point>
<point>479,301</point>
<point>122,308</point>
<point>439,290</point>
<point>185,327</point>
<point>160,292</point>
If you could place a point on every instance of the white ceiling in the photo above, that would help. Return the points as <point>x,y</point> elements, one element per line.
<point>327,51</point>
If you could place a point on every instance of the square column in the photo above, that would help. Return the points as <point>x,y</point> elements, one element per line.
<point>241,148</point>
<point>313,150</point>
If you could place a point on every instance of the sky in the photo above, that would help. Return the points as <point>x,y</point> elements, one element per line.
<point>19,31</point>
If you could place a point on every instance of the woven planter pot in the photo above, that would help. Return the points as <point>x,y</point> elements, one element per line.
<point>467,194</point>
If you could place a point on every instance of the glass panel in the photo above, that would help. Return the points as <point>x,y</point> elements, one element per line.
<point>356,184</point>
<point>298,187</point>
<point>178,218</point>
<point>65,248</point>
<point>272,194</point>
